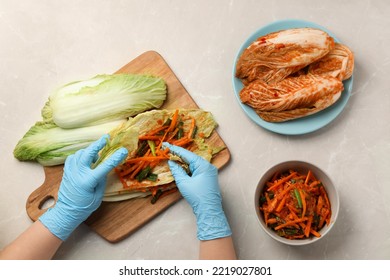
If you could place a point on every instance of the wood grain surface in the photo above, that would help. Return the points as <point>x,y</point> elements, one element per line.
<point>115,221</point>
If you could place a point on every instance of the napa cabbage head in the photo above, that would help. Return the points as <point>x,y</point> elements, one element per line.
<point>104,98</point>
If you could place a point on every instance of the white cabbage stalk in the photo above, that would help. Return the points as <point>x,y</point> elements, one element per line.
<point>104,98</point>
<point>50,145</point>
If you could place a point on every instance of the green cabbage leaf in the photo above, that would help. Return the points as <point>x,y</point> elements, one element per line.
<point>103,98</point>
<point>50,145</point>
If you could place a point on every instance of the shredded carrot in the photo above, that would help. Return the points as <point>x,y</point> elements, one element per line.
<point>295,217</point>
<point>128,170</point>
<point>289,188</point>
<point>175,117</point>
<point>291,223</point>
<point>283,180</point>
<point>157,130</point>
<point>295,205</point>
<point>162,139</point>
<point>281,204</point>
<point>137,170</point>
<point>266,214</point>
<point>192,128</point>
<point>324,215</point>
<point>315,233</point>
<point>149,137</point>
<point>293,210</point>
<point>182,141</point>
<point>272,204</point>
<point>147,158</point>
<point>320,204</point>
<point>163,153</point>
<point>272,221</point>
<point>308,177</point>
<point>313,184</point>
<point>323,192</point>
<point>308,226</point>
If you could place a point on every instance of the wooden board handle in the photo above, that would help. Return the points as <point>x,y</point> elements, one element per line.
<point>47,191</point>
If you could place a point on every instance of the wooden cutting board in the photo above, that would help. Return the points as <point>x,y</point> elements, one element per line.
<point>116,220</point>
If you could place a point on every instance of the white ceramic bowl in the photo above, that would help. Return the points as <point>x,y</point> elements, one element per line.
<point>301,167</point>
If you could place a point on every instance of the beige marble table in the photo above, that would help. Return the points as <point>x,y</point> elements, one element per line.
<point>45,44</point>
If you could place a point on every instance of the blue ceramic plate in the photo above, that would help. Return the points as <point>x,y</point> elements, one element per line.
<point>303,125</point>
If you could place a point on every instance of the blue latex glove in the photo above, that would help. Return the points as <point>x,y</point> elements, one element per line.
<point>201,190</point>
<point>81,190</point>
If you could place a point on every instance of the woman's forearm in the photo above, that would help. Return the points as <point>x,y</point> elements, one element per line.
<point>37,242</point>
<point>217,249</point>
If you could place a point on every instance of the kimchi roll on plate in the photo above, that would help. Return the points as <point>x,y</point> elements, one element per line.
<point>249,69</point>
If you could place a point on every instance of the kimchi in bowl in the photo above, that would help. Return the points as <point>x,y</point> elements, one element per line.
<point>296,203</point>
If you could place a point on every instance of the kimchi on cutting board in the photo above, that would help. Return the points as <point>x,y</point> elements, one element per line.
<point>116,220</point>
